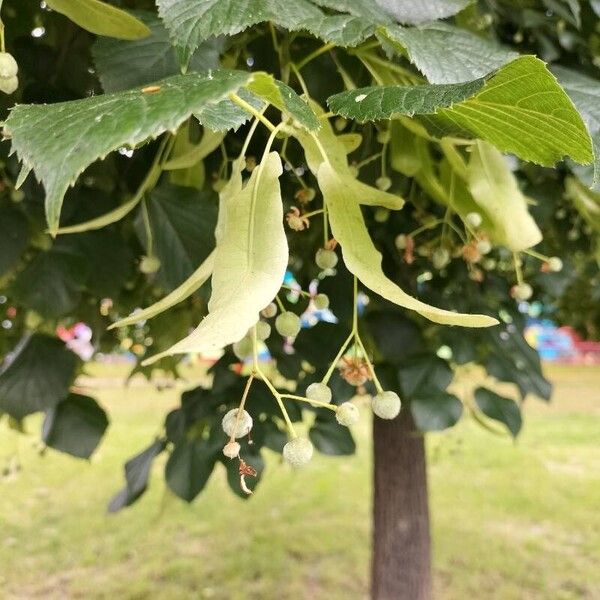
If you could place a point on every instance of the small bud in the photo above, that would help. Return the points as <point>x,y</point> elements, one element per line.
<point>383,137</point>
<point>386,405</point>
<point>321,301</point>
<point>263,330</point>
<point>269,311</point>
<point>474,219</point>
<point>484,246</point>
<point>8,66</point>
<point>401,241</point>
<point>9,85</point>
<point>243,427</point>
<point>521,291</point>
<point>382,214</point>
<point>298,452</point>
<point>383,183</point>
<point>243,348</point>
<point>305,195</point>
<point>347,414</point>
<point>218,185</point>
<point>440,258</point>
<point>149,264</point>
<point>340,124</point>
<point>326,259</point>
<point>288,324</point>
<point>231,449</point>
<point>250,163</point>
<point>555,264</point>
<point>319,392</point>
<point>353,169</point>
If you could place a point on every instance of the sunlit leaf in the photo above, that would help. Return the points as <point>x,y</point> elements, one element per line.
<point>101,18</point>
<point>250,258</point>
<point>519,109</point>
<point>495,189</point>
<point>409,11</point>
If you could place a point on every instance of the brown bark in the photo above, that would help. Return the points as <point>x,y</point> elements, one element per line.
<point>401,568</point>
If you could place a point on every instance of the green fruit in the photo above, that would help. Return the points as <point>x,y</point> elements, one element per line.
<point>298,452</point>
<point>440,258</point>
<point>386,405</point>
<point>243,427</point>
<point>269,311</point>
<point>319,392</point>
<point>383,183</point>
<point>484,247</point>
<point>474,219</point>
<point>243,348</point>
<point>288,324</point>
<point>383,137</point>
<point>263,330</point>
<point>347,414</point>
<point>555,264</point>
<point>149,264</point>
<point>401,241</point>
<point>8,85</point>
<point>522,291</point>
<point>326,259</point>
<point>8,66</point>
<point>321,301</point>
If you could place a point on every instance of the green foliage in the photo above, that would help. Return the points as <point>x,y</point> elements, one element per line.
<point>415,190</point>
<point>37,377</point>
<point>75,426</point>
<point>101,18</point>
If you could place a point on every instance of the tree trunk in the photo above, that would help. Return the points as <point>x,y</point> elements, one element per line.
<point>401,568</point>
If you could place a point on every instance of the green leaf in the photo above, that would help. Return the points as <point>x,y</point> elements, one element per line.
<point>585,93</point>
<point>364,260</point>
<point>436,412</point>
<point>137,473</point>
<point>340,30</point>
<point>123,65</point>
<point>88,129</point>
<point>189,467</point>
<point>182,221</point>
<point>14,237</point>
<point>191,22</point>
<point>75,426</point>
<point>37,377</point>
<point>411,12</point>
<point>330,438</point>
<point>424,375</point>
<point>496,191</point>
<point>209,142</point>
<point>445,53</point>
<point>499,408</point>
<point>101,18</point>
<point>284,98</point>
<point>250,258</point>
<point>384,102</point>
<point>365,9</point>
<point>186,289</point>
<point>52,282</point>
<point>520,109</point>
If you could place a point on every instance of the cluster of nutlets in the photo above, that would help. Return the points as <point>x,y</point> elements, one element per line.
<point>298,451</point>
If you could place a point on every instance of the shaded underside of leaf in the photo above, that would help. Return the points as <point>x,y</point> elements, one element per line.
<point>422,11</point>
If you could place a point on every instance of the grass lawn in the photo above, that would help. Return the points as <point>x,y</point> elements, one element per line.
<point>511,521</point>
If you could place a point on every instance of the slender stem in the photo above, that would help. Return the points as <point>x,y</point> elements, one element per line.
<point>355,306</point>
<point>336,360</point>
<point>425,227</point>
<point>378,385</point>
<point>324,48</point>
<point>249,108</point>
<point>301,292</point>
<point>313,213</point>
<point>309,401</point>
<point>300,79</point>
<point>238,417</point>
<point>280,303</point>
<point>383,161</point>
<point>271,387</point>
<point>518,270</point>
<point>249,136</point>
<point>535,254</point>
<point>368,160</point>
<point>325,225</point>
<point>147,228</point>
